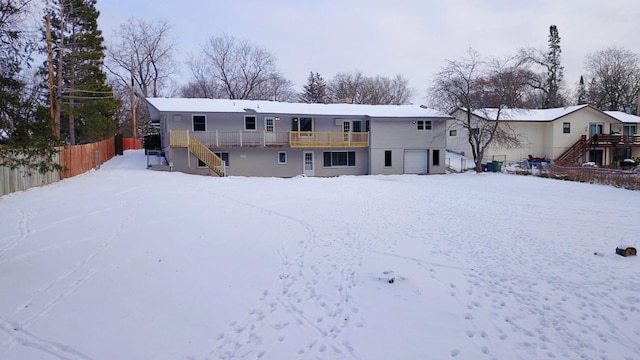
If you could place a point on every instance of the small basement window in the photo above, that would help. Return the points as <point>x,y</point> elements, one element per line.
<point>224,156</point>
<point>282,157</point>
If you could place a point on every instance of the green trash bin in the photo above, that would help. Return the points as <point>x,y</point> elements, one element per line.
<point>497,166</point>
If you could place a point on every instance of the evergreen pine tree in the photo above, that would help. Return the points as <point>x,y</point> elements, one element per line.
<point>315,91</point>
<point>26,139</point>
<point>582,92</point>
<point>554,73</point>
<point>88,111</point>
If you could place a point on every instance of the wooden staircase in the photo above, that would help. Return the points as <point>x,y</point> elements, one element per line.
<point>574,153</point>
<point>202,152</point>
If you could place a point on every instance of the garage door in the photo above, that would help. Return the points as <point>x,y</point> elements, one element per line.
<point>416,161</point>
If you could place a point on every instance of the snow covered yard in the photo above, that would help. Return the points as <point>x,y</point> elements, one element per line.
<point>127,263</point>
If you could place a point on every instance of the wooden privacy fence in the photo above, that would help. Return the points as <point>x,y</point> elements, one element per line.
<point>78,159</point>
<point>23,178</point>
<point>74,159</point>
<point>131,144</point>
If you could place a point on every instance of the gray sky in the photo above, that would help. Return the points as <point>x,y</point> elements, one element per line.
<point>408,37</point>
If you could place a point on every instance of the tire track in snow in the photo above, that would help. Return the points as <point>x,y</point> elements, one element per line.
<point>24,338</point>
<point>47,297</point>
<point>23,232</point>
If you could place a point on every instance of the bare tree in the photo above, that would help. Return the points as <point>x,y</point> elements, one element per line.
<point>146,50</point>
<point>386,91</point>
<point>237,69</point>
<point>346,87</point>
<point>277,88</point>
<point>359,89</point>
<point>201,84</point>
<point>481,90</point>
<point>615,79</point>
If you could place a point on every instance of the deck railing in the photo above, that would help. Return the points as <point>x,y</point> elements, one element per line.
<point>306,139</point>
<point>328,139</point>
<point>615,139</point>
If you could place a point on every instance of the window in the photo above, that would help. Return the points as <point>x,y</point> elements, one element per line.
<point>387,158</point>
<point>339,158</point>
<point>201,164</point>
<point>436,157</point>
<point>282,157</point>
<point>199,123</point>
<point>249,122</point>
<point>269,126</point>
<point>453,132</point>
<point>566,128</point>
<point>352,126</point>
<point>596,129</point>
<point>629,130</point>
<point>301,124</point>
<point>423,124</point>
<point>224,156</point>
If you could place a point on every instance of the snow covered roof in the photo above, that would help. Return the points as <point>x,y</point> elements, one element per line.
<point>275,107</point>
<point>525,115</point>
<point>623,117</point>
<point>542,115</point>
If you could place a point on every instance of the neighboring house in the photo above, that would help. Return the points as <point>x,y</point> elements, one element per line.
<point>268,138</point>
<point>573,134</point>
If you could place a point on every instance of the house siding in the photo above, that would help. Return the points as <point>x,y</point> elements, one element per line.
<point>398,135</point>
<point>256,157</point>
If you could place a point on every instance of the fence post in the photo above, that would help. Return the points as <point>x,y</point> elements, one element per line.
<point>98,159</point>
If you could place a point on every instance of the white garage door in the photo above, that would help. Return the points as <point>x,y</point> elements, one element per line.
<point>416,161</point>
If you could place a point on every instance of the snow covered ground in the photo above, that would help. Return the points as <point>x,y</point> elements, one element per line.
<point>128,263</point>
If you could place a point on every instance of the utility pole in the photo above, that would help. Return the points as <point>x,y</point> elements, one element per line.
<point>54,124</point>
<point>59,89</point>
<point>133,100</point>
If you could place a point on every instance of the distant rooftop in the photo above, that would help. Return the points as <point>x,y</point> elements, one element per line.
<point>542,115</point>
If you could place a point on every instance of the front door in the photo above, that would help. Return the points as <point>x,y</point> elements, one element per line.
<point>269,130</point>
<point>307,163</point>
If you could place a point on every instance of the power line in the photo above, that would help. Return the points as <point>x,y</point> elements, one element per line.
<point>86,97</point>
<point>68,90</point>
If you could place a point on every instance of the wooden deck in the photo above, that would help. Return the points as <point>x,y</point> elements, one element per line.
<point>293,139</point>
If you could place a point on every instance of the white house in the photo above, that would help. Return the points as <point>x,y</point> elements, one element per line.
<point>570,134</point>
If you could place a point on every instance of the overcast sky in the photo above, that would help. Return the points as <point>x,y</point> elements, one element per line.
<point>408,37</point>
